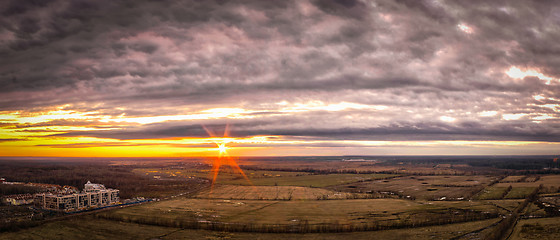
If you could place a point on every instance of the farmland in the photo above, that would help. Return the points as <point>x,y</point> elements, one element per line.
<point>269,178</point>
<point>519,192</point>
<point>307,200</point>
<point>423,187</point>
<point>322,180</point>
<point>311,212</point>
<point>550,183</point>
<point>276,193</point>
<point>96,228</point>
<point>492,193</point>
<point>541,228</point>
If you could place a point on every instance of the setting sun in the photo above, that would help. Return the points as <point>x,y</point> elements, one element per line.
<point>223,157</point>
<point>222,148</point>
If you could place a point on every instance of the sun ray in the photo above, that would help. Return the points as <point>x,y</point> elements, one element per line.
<point>215,170</point>
<point>222,148</point>
<point>210,133</point>
<point>234,164</point>
<point>226,131</point>
<point>223,157</point>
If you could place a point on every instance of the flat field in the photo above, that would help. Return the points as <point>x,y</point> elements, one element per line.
<point>276,193</point>
<point>539,228</point>
<point>492,192</point>
<point>319,180</point>
<point>509,204</point>
<point>88,228</point>
<point>519,192</point>
<point>534,211</point>
<point>294,212</point>
<point>224,174</point>
<point>265,178</point>
<point>513,178</point>
<point>546,181</point>
<point>94,228</point>
<point>424,187</point>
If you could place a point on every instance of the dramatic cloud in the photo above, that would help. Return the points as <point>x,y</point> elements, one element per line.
<point>106,72</point>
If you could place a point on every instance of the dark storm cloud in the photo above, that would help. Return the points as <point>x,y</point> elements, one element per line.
<point>10,139</point>
<point>102,144</point>
<point>159,131</point>
<point>400,131</point>
<point>61,122</point>
<point>423,61</point>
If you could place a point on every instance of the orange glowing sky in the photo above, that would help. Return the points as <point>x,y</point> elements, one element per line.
<point>36,134</point>
<point>223,156</point>
<point>288,78</point>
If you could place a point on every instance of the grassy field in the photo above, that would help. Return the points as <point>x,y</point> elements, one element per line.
<point>225,173</point>
<point>93,228</point>
<point>509,204</point>
<point>456,181</point>
<point>539,228</point>
<point>293,212</point>
<point>534,210</point>
<point>424,187</point>
<point>265,178</point>
<point>322,180</point>
<point>514,178</point>
<point>547,181</point>
<point>519,192</point>
<point>88,228</point>
<point>492,192</point>
<point>276,193</point>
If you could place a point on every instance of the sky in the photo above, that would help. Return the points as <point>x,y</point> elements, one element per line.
<point>114,78</point>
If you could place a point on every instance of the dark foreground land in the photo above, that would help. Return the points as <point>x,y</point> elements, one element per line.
<point>299,198</point>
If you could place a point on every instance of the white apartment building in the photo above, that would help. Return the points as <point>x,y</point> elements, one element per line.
<point>94,195</point>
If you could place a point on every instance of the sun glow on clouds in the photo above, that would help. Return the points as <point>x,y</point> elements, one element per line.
<point>44,116</point>
<point>279,73</point>
<point>92,120</point>
<point>538,97</point>
<point>240,113</point>
<point>213,113</point>
<point>465,28</point>
<point>517,73</point>
<point>33,130</point>
<point>488,113</point>
<point>321,106</point>
<point>513,116</point>
<point>543,117</point>
<point>447,119</point>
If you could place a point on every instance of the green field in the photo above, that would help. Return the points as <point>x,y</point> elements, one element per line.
<point>519,192</point>
<point>491,192</point>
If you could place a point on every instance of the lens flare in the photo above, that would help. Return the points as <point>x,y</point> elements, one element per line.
<point>222,148</point>
<point>223,157</point>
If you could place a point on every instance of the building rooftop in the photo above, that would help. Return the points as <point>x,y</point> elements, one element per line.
<point>93,186</point>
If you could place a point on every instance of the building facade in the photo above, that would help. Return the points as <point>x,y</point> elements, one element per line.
<point>94,195</point>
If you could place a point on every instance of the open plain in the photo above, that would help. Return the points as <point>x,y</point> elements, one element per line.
<point>302,201</point>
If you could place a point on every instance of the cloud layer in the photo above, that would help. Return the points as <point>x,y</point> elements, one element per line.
<point>320,69</point>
